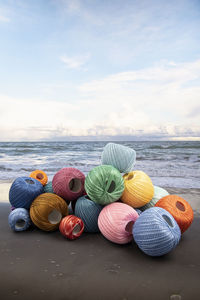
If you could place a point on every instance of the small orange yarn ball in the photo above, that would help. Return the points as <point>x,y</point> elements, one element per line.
<point>179,208</point>
<point>139,189</point>
<point>40,176</point>
<point>47,210</point>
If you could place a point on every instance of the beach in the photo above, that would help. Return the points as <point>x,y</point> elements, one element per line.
<point>40,265</point>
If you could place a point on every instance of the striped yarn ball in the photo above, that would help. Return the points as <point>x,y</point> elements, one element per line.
<point>104,184</point>
<point>119,156</point>
<point>158,194</point>
<point>156,232</point>
<point>88,211</point>
<point>19,219</point>
<point>179,208</point>
<point>23,191</point>
<point>71,227</point>
<point>47,210</point>
<point>138,190</point>
<point>116,221</point>
<point>68,183</point>
<point>48,188</point>
<point>40,175</point>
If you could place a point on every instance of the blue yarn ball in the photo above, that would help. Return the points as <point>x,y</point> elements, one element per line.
<point>88,211</point>
<point>156,232</point>
<point>23,191</point>
<point>48,188</point>
<point>19,219</point>
<point>119,156</point>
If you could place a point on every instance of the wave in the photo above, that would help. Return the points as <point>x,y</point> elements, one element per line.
<point>174,147</point>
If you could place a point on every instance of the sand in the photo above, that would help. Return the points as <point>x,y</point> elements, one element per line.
<point>39,265</point>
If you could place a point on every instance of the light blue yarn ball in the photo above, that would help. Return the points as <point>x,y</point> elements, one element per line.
<point>23,191</point>
<point>156,232</point>
<point>88,211</point>
<point>158,194</point>
<point>119,156</point>
<point>48,188</point>
<point>19,219</point>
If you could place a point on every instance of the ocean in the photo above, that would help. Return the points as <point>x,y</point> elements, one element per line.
<point>169,164</point>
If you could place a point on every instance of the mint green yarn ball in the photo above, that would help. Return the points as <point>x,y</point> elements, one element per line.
<point>158,194</point>
<point>104,184</point>
<point>121,157</point>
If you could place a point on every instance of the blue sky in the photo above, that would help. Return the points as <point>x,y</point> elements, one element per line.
<point>99,69</point>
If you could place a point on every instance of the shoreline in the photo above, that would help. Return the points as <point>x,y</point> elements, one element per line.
<point>190,195</point>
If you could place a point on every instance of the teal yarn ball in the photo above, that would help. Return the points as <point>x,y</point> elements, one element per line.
<point>158,194</point>
<point>104,184</point>
<point>121,157</point>
<point>48,188</point>
<point>88,211</point>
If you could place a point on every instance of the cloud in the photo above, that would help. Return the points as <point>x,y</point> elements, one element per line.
<point>160,102</point>
<point>4,18</point>
<point>75,62</point>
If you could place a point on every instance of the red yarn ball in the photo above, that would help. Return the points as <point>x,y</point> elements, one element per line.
<point>68,183</point>
<point>71,227</point>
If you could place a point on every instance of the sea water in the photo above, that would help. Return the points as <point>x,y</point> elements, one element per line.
<point>169,164</point>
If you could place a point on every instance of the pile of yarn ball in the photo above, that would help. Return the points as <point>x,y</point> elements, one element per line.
<point>114,198</point>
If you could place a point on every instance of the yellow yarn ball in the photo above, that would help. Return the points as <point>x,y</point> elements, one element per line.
<point>139,189</point>
<point>47,210</point>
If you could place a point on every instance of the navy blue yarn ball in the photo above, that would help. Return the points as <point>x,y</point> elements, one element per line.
<point>88,211</point>
<point>19,219</point>
<point>23,191</point>
<point>156,232</point>
<point>138,211</point>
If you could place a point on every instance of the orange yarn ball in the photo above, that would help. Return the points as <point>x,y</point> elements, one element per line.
<point>47,210</point>
<point>139,189</point>
<point>40,176</point>
<point>179,208</point>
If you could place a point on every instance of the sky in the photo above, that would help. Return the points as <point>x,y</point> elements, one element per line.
<point>99,70</point>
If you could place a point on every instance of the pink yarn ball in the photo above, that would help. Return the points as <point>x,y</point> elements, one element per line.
<point>68,183</point>
<point>116,221</point>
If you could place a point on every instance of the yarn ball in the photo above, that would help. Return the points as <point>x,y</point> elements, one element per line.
<point>23,191</point>
<point>48,188</point>
<point>116,221</point>
<point>19,219</point>
<point>71,227</point>
<point>156,232</point>
<point>138,190</point>
<point>68,183</point>
<point>138,211</point>
<point>179,208</point>
<point>158,194</point>
<point>119,156</point>
<point>40,175</point>
<point>104,184</point>
<point>88,211</point>
<point>47,210</point>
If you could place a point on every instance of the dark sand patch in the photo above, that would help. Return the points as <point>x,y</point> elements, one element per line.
<point>39,265</point>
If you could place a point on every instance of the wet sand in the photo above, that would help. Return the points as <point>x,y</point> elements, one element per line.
<point>39,265</point>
